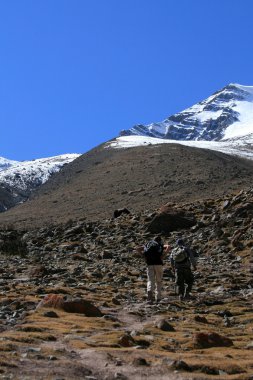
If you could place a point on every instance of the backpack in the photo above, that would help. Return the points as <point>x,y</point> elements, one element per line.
<point>179,254</point>
<point>151,248</point>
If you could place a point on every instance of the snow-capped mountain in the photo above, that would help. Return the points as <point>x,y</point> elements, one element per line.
<point>19,179</point>
<point>5,163</point>
<point>225,115</point>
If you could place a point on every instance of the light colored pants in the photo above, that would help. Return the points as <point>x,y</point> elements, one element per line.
<point>155,275</point>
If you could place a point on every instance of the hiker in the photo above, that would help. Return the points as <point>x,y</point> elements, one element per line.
<point>182,260</point>
<point>153,254</point>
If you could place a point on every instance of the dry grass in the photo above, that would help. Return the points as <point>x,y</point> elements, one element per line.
<point>73,332</point>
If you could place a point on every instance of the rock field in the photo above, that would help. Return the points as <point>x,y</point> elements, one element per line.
<point>73,301</point>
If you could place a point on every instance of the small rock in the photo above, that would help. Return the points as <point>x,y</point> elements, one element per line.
<point>140,361</point>
<point>200,319</point>
<point>126,341</point>
<point>225,314</point>
<point>164,325</point>
<point>250,346</point>
<point>106,255</point>
<point>51,314</point>
<point>115,301</point>
<point>33,349</point>
<point>119,376</point>
<point>110,317</point>
<point>180,365</point>
<point>226,204</point>
<point>51,357</point>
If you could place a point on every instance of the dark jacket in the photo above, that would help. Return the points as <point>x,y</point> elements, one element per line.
<point>153,252</point>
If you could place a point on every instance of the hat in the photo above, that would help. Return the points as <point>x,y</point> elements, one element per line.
<point>180,242</point>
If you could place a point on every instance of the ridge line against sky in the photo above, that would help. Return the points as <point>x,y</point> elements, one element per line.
<point>75,73</point>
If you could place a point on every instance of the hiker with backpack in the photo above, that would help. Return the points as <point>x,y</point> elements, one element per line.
<point>153,254</point>
<point>182,259</point>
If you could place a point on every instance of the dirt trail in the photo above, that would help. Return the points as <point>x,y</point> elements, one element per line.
<point>118,364</point>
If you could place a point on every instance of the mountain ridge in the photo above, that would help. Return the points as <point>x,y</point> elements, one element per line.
<point>19,178</point>
<point>221,116</point>
<point>138,178</point>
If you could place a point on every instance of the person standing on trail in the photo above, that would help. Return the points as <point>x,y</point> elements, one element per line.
<point>153,254</point>
<point>182,260</point>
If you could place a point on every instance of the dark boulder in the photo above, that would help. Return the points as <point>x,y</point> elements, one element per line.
<point>78,306</point>
<point>180,365</point>
<point>126,340</point>
<point>164,325</point>
<point>120,211</point>
<point>81,306</point>
<point>11,243</point>
<point>207,340</point>
<point>169,219</point>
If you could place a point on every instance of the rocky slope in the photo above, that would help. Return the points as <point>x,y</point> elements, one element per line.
<point>207,337</point>
<point>226,114</point>
<point>139,178</point>
<point>19,179</point>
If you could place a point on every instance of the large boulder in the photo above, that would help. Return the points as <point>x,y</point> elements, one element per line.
<point>81,306</point>
<point>78,306</point>
<point>207,340</point>
<point>11,243</point>
<point>170,219</point>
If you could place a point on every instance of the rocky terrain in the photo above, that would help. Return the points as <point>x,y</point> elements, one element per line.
<point>139,178</point>
<point>73,302</point>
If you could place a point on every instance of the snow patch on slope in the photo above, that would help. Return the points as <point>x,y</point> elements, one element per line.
<point>237,147</point>
<point>245,124</point>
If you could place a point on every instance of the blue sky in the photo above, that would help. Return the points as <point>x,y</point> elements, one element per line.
<point>73,73</point>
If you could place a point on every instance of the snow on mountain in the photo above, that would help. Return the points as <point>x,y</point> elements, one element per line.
<point>27,175</point>
<point>226,114</point>
<point>5,163</point>
<point>241,147</point>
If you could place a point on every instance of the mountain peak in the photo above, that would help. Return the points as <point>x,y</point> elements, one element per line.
<point>228,113</point>
<point>241,86</point>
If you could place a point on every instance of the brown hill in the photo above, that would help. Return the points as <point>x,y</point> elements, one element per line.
<point>140,178</point>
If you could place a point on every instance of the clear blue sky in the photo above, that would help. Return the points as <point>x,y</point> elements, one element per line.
<point>73,73</point>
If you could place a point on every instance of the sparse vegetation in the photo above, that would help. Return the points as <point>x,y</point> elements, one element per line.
<point>210,336</point>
